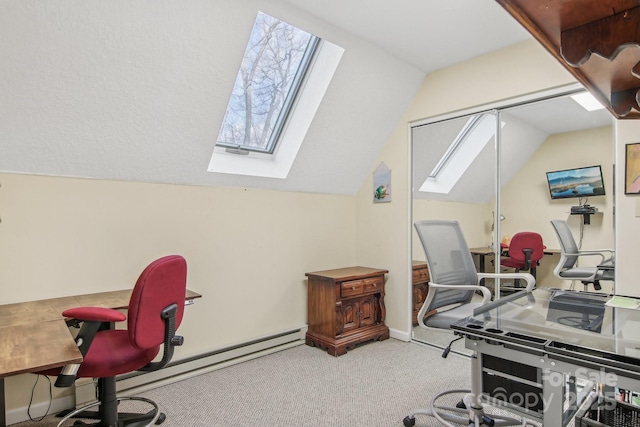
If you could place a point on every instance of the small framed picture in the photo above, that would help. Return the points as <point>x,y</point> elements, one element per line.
<point>382,184</point>
<point>632,169</point>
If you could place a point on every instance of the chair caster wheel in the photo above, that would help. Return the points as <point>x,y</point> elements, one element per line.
<point>461,405</point>
<point>409,421</point>
<point>488,421</point>
<point>161,418</point>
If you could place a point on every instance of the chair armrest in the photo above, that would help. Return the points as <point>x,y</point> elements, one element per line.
<point>595,252</point>
<point>171,340</point>
<point>527,258</point>
<point>94,314</point>
<point>92,319</point>
<point>486,297</point>
<point>531,281</point>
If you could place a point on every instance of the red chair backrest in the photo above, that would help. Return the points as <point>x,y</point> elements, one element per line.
<point>162,283</point>
<point>526,240</point>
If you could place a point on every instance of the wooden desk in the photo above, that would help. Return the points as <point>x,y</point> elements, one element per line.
<point>482,252</point>
<point>34,335</point>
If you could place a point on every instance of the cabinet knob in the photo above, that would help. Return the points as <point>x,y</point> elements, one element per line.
<point>353,288</point>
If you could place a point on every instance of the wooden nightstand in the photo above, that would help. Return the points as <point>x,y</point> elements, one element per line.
<point>345,308</point>
<point>420,287</point>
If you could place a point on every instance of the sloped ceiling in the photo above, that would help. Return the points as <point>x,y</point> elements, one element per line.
<point>136,90</point>
<point>524,129</point>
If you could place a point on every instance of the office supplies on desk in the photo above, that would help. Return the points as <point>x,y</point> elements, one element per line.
<point>623,302</point>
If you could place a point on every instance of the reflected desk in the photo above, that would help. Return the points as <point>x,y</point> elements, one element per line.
<point>484,251</point>
<point>34,335</point>
<point>535,347</point>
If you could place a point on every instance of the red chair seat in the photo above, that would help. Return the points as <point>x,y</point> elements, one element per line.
<point>512,263</point>
<point>111,354</point>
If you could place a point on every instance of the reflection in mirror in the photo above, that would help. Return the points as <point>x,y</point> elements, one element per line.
<point>552,135</point>
<point>535,138</point>
<point>453,178</point>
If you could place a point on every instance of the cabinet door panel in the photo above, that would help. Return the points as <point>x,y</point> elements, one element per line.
<point>367,311</point>
<point>349,315</point>
<point>419,295</point>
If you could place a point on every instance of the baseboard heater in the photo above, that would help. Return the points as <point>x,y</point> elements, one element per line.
<point>185,368</point>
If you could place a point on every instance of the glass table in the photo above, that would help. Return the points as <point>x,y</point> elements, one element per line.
<point>544,352</point>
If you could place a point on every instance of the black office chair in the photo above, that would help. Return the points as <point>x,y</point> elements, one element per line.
<point>454,282</point>
<point>567,268</point>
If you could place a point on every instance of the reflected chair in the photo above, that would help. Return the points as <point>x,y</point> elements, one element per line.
<point>454,282</point>
<point>524,253</point>
<point>568,269</point>
<point>155,311</point>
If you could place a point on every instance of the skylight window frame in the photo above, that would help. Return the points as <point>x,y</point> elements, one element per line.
<point>449,155</point>
<point>295,88</point>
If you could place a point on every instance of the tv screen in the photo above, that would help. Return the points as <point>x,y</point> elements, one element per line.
<point>578,182</point>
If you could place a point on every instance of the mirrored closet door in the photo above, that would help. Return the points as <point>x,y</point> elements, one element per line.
<point>489,170</point>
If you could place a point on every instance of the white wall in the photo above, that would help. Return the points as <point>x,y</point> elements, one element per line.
<point>627,216</point>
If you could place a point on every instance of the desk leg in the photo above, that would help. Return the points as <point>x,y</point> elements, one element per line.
<point>3,415</point>
<point>481,267</point>
<point>553,394</point>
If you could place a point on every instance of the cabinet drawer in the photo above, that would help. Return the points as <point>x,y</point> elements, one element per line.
<point>420,276</point>
<point>361,287</point>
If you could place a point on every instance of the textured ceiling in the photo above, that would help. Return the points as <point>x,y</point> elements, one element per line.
<point>428,34</point>
<point>136,91</point>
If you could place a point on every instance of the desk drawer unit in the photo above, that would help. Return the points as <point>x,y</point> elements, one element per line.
<point>361,287</point>
<point>345,308</point>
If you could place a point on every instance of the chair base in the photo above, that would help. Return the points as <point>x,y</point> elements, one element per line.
<point>125,419</point>
<point>460,415</point>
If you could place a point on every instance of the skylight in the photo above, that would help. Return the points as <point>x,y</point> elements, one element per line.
<point>275,62</point>
<point>587,101</point>
<point>474,136</point>
<point>268,117</point>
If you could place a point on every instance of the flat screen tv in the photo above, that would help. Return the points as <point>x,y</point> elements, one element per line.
<point>578,182</point>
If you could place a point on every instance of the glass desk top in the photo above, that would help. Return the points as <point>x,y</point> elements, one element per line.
<point>561,323</point>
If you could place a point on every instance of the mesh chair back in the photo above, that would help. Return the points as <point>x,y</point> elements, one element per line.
<point>526,240</point>
<point>567,243</point>
<point>449,261</point>
<point>162,283</point>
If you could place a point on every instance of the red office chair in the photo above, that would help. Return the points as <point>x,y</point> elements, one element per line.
<point>155,312</point>
<point>524,254</point>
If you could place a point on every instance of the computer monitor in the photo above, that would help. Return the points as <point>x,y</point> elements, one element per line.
<point>578,182</point>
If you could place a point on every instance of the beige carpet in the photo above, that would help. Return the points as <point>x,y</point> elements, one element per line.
<point>375,384</point>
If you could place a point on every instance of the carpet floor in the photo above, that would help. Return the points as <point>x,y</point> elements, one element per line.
<point>375,384</point>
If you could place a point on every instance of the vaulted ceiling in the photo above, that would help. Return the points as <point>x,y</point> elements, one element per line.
<point>137,90</point>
